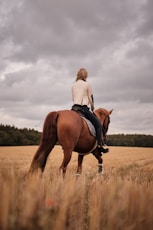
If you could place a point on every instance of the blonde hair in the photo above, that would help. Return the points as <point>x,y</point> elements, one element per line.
<point>82,74</point>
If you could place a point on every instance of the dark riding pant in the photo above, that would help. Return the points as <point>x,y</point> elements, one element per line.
<point>94,120</point>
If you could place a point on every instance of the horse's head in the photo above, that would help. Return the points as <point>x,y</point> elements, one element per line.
<point>104,116</point>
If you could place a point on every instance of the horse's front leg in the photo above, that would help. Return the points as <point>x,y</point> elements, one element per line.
<point>100,162</point>
<point>79,168</point>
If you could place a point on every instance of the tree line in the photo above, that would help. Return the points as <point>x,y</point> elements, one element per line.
<point>12,136</point>
<point>133,140</point>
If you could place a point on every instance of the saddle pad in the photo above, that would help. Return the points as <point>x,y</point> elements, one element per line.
<point>90,126</point>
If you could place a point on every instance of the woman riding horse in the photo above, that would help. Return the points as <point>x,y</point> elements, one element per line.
<point>83,101</point>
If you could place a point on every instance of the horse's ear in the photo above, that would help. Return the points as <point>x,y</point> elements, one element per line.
<point>110,111</point>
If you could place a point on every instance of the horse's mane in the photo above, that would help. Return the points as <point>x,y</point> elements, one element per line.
<point>101,111</point>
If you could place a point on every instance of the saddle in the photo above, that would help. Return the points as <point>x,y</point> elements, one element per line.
<point>91,127</point>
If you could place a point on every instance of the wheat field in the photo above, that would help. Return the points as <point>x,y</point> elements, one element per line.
<point>119,199</point>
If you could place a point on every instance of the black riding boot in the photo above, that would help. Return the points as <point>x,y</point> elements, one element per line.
<point>101,149</point>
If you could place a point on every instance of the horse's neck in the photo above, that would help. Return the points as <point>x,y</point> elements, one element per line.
<point>100,117</point>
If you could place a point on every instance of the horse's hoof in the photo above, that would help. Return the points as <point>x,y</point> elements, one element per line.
<point>77,174</point>
<point>100,173</point>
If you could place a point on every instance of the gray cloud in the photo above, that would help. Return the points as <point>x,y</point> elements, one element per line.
<point>43,43</point>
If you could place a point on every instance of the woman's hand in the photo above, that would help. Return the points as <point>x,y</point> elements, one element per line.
<point>92,107</point>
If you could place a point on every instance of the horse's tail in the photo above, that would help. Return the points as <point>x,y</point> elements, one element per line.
<point>47,142</point>
<point>49,134</point>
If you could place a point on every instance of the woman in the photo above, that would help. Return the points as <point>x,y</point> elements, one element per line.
<point>83,98</point>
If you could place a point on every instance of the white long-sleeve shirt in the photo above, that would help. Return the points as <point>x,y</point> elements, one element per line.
<point>82,93</point>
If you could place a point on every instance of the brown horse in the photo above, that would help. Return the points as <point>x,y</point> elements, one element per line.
<point>71,131</point>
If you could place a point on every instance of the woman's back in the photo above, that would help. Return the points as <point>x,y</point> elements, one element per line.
<point>80,92</point>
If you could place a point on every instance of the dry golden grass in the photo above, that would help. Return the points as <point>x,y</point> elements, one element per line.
<point>121,198</point>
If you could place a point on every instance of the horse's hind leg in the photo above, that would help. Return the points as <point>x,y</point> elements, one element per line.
<point>80,160</point>
<point>66,160</point>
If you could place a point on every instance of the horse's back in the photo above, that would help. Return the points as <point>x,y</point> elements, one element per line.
<point>68,117</point>
<point>73,132</point>
<point>69,125</point>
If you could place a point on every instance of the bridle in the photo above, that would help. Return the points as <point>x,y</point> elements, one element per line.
<point>105,124</point>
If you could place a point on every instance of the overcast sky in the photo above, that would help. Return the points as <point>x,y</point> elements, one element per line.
<point>43,43</point>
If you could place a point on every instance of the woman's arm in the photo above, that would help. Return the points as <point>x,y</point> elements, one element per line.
<point>90,97</point>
